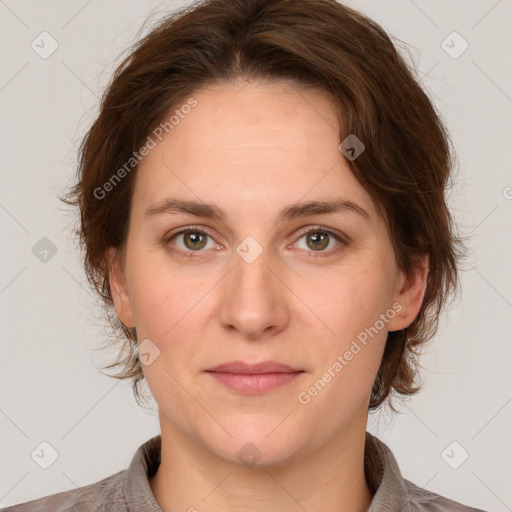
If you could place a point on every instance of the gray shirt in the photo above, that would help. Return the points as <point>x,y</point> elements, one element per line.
<point>129,490</point>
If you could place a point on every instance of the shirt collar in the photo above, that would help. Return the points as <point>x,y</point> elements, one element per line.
<point>383,477</point>
<point>137,491</point>
<point>381,471</point>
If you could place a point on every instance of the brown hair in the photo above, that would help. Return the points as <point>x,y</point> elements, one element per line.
<point>321,43</point>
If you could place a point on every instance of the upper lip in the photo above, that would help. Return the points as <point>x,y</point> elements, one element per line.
<point>240,367</point>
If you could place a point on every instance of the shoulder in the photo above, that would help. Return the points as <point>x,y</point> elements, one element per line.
<point>421,500</point>
<point>393,491</point>
<point>106,494</point>
<point>124,490</point>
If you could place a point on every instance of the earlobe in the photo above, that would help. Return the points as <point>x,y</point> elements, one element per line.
<point>119,290</point>
<point>410,294</point>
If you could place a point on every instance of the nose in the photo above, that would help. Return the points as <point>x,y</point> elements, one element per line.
<point>255,298</point>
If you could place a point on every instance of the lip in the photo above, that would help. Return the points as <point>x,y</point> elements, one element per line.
<point>254,378</point>
<point>241,367</point>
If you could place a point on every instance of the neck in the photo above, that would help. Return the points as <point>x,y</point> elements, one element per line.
<point>192,478</point>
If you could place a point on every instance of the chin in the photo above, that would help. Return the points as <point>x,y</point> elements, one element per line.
<point>256,442</point>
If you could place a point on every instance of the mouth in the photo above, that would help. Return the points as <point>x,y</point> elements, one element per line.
<point>255,378</point>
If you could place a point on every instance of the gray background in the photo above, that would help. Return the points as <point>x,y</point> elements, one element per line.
<point>51,388</point>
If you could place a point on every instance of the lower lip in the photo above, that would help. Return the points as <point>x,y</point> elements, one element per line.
<point>254,383</point>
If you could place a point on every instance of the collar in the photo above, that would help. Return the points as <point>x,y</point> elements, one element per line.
<point>381,471</point>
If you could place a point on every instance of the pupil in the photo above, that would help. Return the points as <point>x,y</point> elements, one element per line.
<point>318,240</point>
<point>194,240</point>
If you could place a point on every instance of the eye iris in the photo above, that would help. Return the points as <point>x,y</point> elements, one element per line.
<point>320,240</point>
<point>194,238</point>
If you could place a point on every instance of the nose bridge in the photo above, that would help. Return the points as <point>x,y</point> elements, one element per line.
<point>253,301</point>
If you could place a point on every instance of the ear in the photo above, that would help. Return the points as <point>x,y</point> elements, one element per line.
<point>409,294</point>
<point>119,290</point>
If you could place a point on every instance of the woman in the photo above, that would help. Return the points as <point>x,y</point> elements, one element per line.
<point>262,202</point>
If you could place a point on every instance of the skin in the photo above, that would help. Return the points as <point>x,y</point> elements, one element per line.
<point>252,149</point>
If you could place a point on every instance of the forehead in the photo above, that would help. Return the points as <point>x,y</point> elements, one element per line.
<point>251,145</point>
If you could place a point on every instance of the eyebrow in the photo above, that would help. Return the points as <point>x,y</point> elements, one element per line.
<point>292,211</point>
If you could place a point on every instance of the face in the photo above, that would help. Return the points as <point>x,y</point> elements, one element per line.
<point>269,281</point>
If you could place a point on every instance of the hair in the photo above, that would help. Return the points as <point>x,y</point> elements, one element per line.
<point>406,166</point>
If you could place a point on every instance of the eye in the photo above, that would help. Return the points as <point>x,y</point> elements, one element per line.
<point>192,240</point>
<point>318,239</point>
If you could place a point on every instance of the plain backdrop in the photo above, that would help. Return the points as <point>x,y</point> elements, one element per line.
<point>51,388</point>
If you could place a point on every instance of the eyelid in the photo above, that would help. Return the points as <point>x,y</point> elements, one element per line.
<point>188,229</point>
<point>318,227</point>
<point>184,229</point>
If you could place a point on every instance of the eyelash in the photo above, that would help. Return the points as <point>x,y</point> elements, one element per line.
<point>302,233</point>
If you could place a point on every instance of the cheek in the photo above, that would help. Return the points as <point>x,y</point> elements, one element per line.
<point>346,301</point>
<point>166,314</point>
<point>168,310</point>
<point>348,355</point>
<point>154,305</point>
<point>158,294</point>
